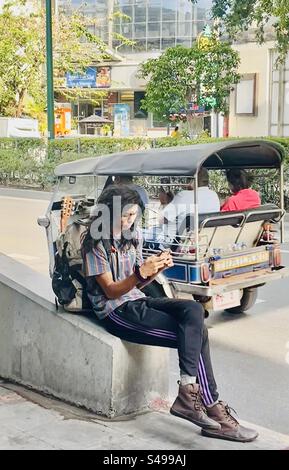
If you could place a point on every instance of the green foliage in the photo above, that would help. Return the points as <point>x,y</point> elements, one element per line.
<point>215,68</point>
<point>234,16</point>
<point>170,83</point>
<point>203,74</point>
<point>22,56</point>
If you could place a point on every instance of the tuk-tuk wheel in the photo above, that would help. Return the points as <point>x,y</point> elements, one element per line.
<point>248,300</point>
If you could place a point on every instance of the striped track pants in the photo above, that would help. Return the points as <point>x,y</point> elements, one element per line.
<point>172,323</point>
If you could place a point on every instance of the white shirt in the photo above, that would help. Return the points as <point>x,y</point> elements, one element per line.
<point>183,205</point>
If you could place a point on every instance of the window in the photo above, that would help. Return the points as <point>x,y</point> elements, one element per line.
<point>126,30</point>
<point>139,113</point>
<point>169,29</point>
<point>127,10</point>
<point>153,45</point>
<point>153,30</point>
<point>184,29</point>
<point>154,13</point>
<point>185,11</point>
<point>169,10</point>
<point>246,95</point>
<point>117,28</point>
<point>76,3</point>
<point>140,45</point>
<point>186,42</point>
<point>168,43</point>
<point>140,30</point>
<point>99,10</point>
<point>140,13</point>
<point>200,26</point>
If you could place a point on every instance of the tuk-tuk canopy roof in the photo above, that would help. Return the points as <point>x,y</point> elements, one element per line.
<point>180,161</point>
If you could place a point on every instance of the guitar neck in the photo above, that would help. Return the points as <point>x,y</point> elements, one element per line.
<point>66,212</point>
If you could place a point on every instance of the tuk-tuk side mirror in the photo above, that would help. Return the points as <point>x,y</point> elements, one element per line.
<point>72,179</point>
<point>43,221</point>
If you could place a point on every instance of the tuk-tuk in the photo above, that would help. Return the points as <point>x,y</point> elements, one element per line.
<point>222,258</point>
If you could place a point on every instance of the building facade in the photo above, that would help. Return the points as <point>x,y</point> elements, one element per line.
<point>152,26</point>
<point>259,105</point>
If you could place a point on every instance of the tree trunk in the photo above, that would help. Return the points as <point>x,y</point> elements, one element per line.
<point>195,125</point>
<point>20,103</point>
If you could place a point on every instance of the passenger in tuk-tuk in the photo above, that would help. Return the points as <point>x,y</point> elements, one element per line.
<point>116,273</point>
<point>183,203</point>
<point>243,197</point>
<point>128,181</point>
<point>165,197</point>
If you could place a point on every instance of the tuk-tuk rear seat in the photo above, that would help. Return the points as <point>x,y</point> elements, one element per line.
<point>224,229</point>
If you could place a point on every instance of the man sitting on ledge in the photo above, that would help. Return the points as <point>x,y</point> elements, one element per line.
<point>116,273</point>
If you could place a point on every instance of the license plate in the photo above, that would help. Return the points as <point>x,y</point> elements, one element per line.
<point>226,300</point>
<point>235,262</point>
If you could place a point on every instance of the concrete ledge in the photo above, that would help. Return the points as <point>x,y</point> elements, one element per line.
<point>71,357</point>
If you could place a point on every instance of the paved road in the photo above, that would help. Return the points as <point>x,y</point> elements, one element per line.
<point>20,236</point>
<point>25,194</point>
<point>249,351</point>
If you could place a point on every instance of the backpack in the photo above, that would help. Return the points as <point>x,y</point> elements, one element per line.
<point>72,240</point>
<point>68,280</point>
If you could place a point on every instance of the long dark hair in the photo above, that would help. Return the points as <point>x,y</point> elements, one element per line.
<point>127,197</point>
<point>238,179</point>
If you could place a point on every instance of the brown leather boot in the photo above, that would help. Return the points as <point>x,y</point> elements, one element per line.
<point>230,430</point>
<point>188,405</point>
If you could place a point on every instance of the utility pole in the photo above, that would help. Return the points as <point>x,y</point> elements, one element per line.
<point>49,71</point>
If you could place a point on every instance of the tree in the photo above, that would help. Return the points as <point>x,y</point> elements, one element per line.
<point>22,56</point>
<point>203,74</point>
<point>234,16</point>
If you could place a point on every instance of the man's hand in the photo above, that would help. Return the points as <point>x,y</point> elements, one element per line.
<point>155,264</point>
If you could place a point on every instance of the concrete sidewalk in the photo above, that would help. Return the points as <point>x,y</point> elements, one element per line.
<point>31,421</point>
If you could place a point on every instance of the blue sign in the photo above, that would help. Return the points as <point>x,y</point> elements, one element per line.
<point>85,80</point>
<point>121,120</point>
<point>195,108</point>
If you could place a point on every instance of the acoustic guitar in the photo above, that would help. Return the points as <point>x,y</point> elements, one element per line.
<point>67,209</point>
